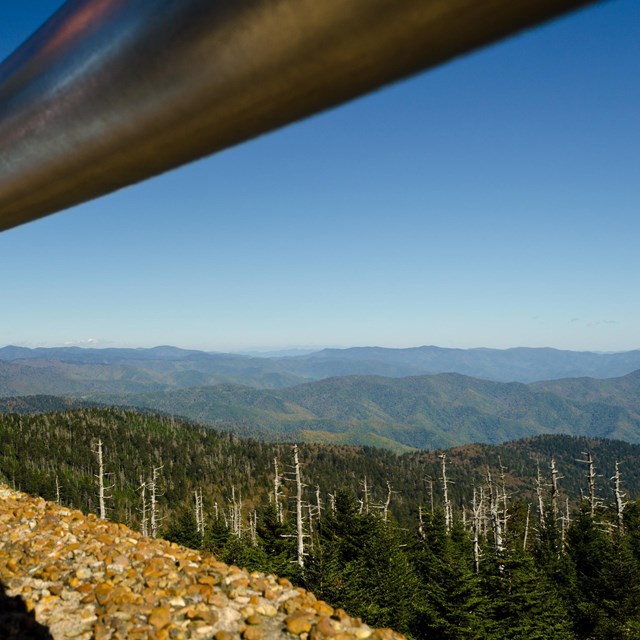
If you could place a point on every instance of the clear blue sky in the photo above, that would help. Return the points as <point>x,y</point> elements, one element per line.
<point>492,202</point>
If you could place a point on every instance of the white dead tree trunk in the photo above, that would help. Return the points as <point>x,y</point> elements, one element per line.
<point>315,513</point>
<point>332,503</point>
<point>102,489</point>
<point>310,521</point>
<point>387,503</point>
<point>364,503</point>
<point>235,513</point>
<point>199,512</point>
<point>253,527</point>
<point>300,535</point>
<point>477,507</point>
<point>620,496</point>
<point>504,498</point>
<point>541,510</point>
<point>526,528</point>
<point>445,492</point>
<point>144,508</point>
<point>431,503</point>
<point>319,506</point>
<point>154,519</point>
<point>594,502</point>
<point>496,520</point>
<point>277,493</point>
<point>57,490</point>
<point>555,476</point>
<point>566,521</point>
<point>484,519</point>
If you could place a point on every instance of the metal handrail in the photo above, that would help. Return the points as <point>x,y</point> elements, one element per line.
<point>110,92</point>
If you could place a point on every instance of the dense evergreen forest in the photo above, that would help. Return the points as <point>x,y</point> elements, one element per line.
<point>525,540</point>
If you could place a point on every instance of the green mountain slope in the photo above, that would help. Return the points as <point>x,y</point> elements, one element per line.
<point>406,413</point>
<point>623,392</point>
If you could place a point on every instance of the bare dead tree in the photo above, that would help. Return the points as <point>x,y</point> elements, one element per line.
<point>387,503</point>
<point>566,522</point>
<point>199,512</point>
<point>57,490</point>
<point>503,498</point>
<point>319,506</point>
<point>253,527</point>
<point>594,502</point>
<point>555,476</point>
<point>496,520</point>
<point>300,534</point>
<point>277,492</point>
<point>620,496</point>
<point>144,508</point>
<point>484,520</point>
<point>541,510</point>
<point>364,503</point>
<point>477,509</point>
<point>310,521</point>
<point>103,496</point>
<point>299,521</point>
<point>154,519</point>
<point>445,492</point>
<point>235,513</point>
<point>430,482</point>
<point>526,528</point>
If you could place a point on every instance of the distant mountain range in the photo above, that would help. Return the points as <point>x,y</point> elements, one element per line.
<point>366,396</point>
<point>70,370</point>
<point>401,414</point>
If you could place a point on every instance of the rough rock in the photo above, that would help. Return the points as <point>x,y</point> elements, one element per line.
<point>67,575</point>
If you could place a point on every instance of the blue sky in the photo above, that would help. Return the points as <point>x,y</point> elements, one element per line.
<point>491,202</point>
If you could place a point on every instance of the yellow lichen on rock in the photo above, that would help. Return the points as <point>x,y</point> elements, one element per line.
<point>76,576</point>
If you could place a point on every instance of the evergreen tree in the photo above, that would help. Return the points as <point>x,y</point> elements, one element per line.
<point>608,580</point>
<point>216,536</point>
<point>451,604</point>
<point>275,538</point>
<point>361,566</point>
<point>381,585</point>
<point>241,551</point>
<point>523,603</point>
<point>183,530</point>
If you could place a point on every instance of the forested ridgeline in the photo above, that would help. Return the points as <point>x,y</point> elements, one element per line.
<point>477,542</point>
<point>54,455</point>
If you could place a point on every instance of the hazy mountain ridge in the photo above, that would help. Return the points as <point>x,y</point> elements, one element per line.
<point>259,395</point>
<point>173,367</point>
<point>519,364</point>
<point>71,370</point>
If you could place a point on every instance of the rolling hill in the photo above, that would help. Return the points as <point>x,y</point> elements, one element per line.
<point>423,412</point>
